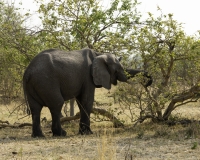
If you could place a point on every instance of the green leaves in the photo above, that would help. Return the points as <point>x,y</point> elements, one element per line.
<point>172,58</point>
<point>86,23</point>
<point>18,45</point>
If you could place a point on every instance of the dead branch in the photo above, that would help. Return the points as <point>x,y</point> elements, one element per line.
<point>181,98</point>
<point>4,122</point>
<point>66,119</point>
<point>96,111</point>
<point>142,119</point>
<point>15,125</point>
<point>110,116</point>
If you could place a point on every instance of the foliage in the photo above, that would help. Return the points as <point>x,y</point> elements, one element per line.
<point>79,24</point>
<point>172,58</point>
<point>18,45</point>
<point>10,30</point>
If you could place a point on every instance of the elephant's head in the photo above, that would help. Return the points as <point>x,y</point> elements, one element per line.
<point>106,70</point>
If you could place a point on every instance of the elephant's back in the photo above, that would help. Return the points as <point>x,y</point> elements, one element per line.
<point>73,66</point>
<point>51,59</point>
<point>59,70</point>
<point>39,63</point>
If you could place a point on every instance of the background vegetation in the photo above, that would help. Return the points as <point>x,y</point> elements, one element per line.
<point>157,45</point>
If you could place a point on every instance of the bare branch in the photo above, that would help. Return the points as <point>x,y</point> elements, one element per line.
<point>97,111</point>
<point>190,94</point>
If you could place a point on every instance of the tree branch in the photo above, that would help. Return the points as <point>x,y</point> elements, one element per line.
<point>97,111</point>
<point>193,92</point>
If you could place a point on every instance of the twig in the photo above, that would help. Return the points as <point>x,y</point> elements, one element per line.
<point>15,109</point>
<point>23,117</point>
<point>15,126</point>
<point>4,122</point>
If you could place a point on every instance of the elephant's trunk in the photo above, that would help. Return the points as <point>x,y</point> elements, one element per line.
<point>150,80</point>
<point>132,72</point>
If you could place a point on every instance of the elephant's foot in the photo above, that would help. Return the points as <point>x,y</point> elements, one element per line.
<point>59,132</point>
<point>85,130</point>
<point>37,134</point>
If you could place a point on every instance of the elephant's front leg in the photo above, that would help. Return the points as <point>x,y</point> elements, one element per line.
<point>85,110</point>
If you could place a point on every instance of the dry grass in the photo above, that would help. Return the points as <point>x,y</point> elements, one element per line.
<point>105,144</point>
<point>145,141</point>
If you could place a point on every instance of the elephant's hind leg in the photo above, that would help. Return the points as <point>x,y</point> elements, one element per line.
<point>55,109</point>
<point>35,108</point>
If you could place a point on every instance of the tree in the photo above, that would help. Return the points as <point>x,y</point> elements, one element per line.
<point>18,45</point>
<point>79,24</point>
<point>172,58</point>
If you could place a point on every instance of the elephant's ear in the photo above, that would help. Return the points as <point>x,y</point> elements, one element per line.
<point>100,72</point>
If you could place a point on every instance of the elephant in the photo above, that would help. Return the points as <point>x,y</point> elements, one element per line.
<point>54,76</point>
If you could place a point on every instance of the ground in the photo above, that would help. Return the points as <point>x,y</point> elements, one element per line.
<point>144,141</point>
<point>118,145</point>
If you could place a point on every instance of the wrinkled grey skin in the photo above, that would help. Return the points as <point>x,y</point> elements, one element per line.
<point>55,76</point>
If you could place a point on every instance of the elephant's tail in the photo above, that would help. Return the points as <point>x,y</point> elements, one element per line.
<point>25,80</point>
